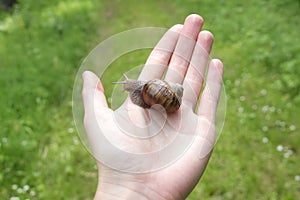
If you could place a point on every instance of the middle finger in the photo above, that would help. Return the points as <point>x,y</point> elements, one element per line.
<point>184,48</point>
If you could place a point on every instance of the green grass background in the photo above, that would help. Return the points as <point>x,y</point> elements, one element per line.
<point>42,44</point>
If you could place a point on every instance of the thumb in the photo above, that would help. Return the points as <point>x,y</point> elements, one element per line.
<point>92,92</point>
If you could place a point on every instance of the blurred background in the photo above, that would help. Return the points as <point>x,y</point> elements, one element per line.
<point>42,44</point>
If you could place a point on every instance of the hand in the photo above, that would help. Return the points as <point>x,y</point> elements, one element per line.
<point>184,52</point>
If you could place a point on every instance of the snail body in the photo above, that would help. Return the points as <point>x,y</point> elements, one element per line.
<point>148,93</point>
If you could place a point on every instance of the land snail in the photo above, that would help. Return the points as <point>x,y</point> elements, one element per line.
<point>148,93</point>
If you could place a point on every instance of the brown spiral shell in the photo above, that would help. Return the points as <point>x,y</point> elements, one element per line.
<point>160,92</point>
<point>148,93</point>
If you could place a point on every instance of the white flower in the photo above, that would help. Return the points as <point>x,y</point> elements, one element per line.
<point>26,187</point>
<point>297,178</point>
<point>282,124</point>
<point>265,140</point>
<point>70,130</point>
<point>75,140</point>
<point>279,111</point>
<point>279,148</point>
<point>32,193</point>
<point>254,107</point>
<point>265,108</point>
<point>241,109</point>
<point>263,92</point>
<point>265,128</point>
<point>14,198</point>
<point>288,153</point>
<point>20,190</point>
<point>272,108</point>
<point>14,186</point>
<point>242,98</point>
<point>292,127</point>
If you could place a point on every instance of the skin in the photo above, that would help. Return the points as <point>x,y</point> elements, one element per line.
<point>184,57</point>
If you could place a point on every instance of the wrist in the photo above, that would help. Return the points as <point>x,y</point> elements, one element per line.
<point>132,188</point>
<point>112,191</point>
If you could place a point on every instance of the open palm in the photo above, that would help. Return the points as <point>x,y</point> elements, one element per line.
<point>141,167</point>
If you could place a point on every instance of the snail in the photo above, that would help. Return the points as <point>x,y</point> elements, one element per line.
<point>148,93</point>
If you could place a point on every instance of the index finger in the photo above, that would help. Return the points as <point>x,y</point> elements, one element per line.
<point>159,58</point>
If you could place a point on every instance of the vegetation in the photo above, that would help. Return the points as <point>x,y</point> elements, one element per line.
<point>42,44</point>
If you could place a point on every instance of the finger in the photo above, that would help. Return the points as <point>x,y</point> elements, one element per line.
<point>195,74</point>
<point>210,96</point>
<point>92,92</point>
<point>184,49</point>
<point>160,56</point>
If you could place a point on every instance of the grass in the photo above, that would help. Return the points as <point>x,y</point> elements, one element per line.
<point>42,44</point>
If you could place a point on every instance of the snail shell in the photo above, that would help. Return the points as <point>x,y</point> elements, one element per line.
<point>148,93</point>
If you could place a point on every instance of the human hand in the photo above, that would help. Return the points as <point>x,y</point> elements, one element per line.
<point>184,53</point>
